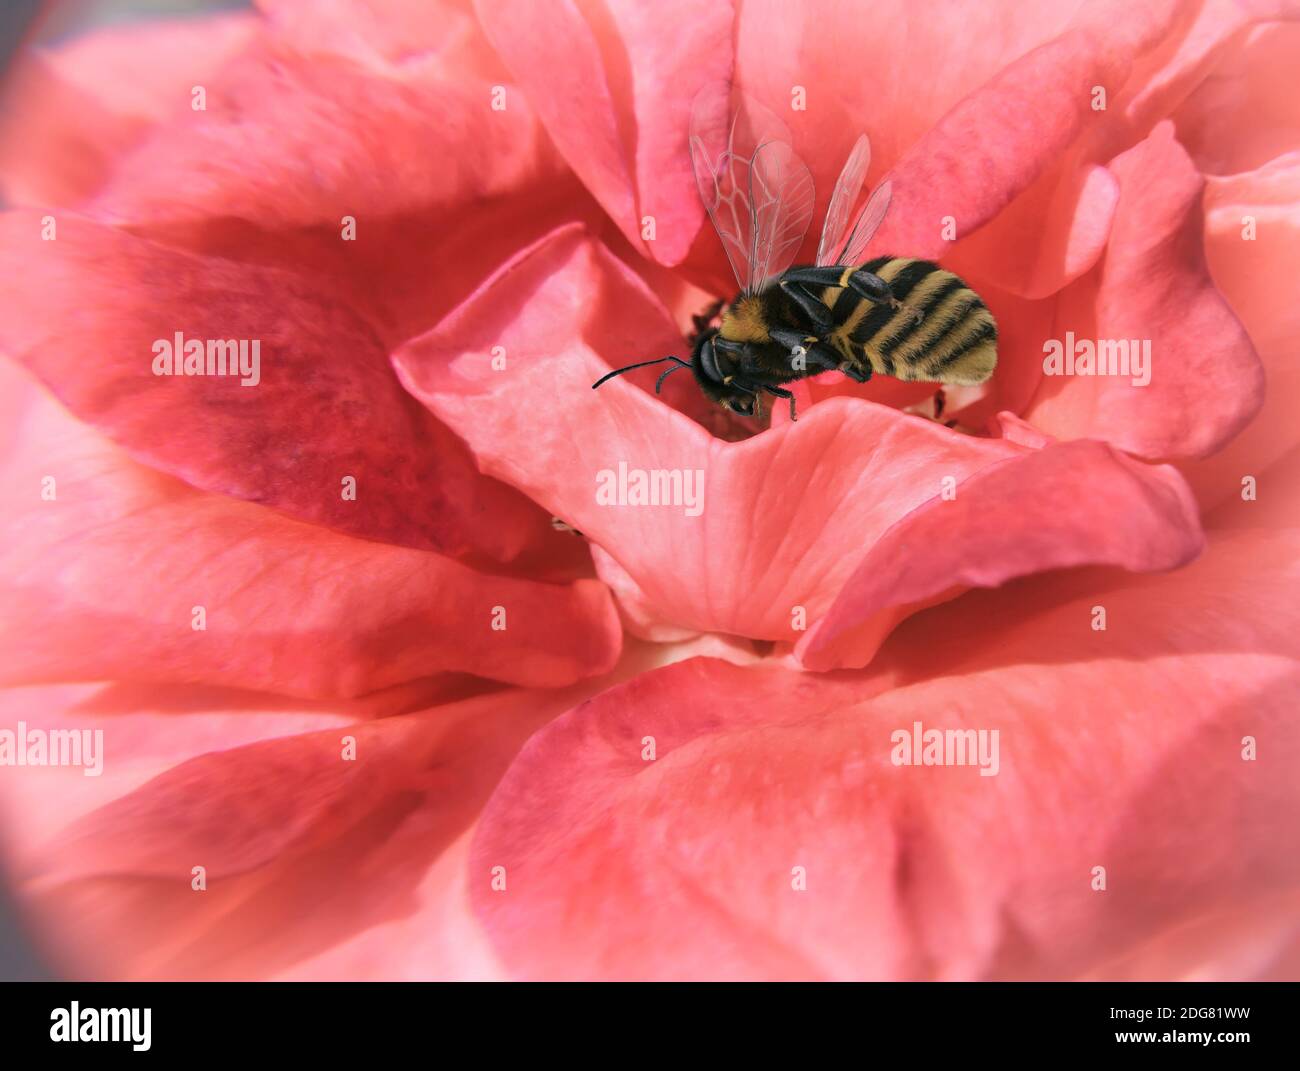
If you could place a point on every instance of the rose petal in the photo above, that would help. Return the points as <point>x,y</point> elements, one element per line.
<point>146,730</point>
<point>993,145</point>
<point>302,848</point>
<point>402,261</point>
<point>385,33</point>
<point>85,311</point>
<point>995,155</point>
<point>1206,382</point>
<point>592,295</point>
<point>1074,504</point>
<point>71,112</point>
<point>618,107</point>
<point>1245,112</point>
<point>1163,79</point>
<point>769,835</point>
<point>105,561</point>
<point>1254,275</point>
<point>1047,237</point>
<point>300,137</point>
<point>317,865</point>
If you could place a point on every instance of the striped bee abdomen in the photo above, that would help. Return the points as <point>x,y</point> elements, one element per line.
<point>940,333</point>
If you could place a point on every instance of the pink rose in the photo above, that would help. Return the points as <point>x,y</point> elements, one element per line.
<point>364,712</point>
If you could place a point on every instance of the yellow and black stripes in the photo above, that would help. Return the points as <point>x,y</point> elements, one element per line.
<point>940,332</point>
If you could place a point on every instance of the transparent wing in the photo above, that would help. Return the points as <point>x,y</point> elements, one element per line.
<point>758,193</point>
<point>835,231</point>
<point>873,213</point>
<point>782,195</point>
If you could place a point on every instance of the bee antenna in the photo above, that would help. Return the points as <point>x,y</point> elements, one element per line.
<point>664,375</point>
<point>642,364</point>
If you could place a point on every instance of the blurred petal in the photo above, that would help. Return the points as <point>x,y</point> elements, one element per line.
<point>146,730</point>
<point>103,577</point>
<point>297,137</point>
<point>383,33</point>
<point>70,113</point>
<point>318,865</point>
<point>1120,749</point>
<point>618,106</point>
<point>410,251</point>
<point>303,849</point>
<point>1206,382</point>
<point>85,312</point>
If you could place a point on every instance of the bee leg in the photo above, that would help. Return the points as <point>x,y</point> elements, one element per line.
<point>863,283</point>
<point>781,392</point>
<point>826,275</point>
<point>816,311</point>
<point>817,356</point>
<point>823,357</point>
<point>872,287</point>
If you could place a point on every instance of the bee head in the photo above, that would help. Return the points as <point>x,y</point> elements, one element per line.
<point>713,372</point>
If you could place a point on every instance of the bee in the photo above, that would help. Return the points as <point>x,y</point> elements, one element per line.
<point>896,316</point>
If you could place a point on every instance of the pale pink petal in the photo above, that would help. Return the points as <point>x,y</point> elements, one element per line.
<point>303,848</point>
<point>145,732</point>
<point>1163,79</point>
<point>1047,237</point>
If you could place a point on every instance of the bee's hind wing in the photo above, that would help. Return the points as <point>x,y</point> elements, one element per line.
<point>758,193</point>
<point>835,230</point>
<point>844,237</point>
